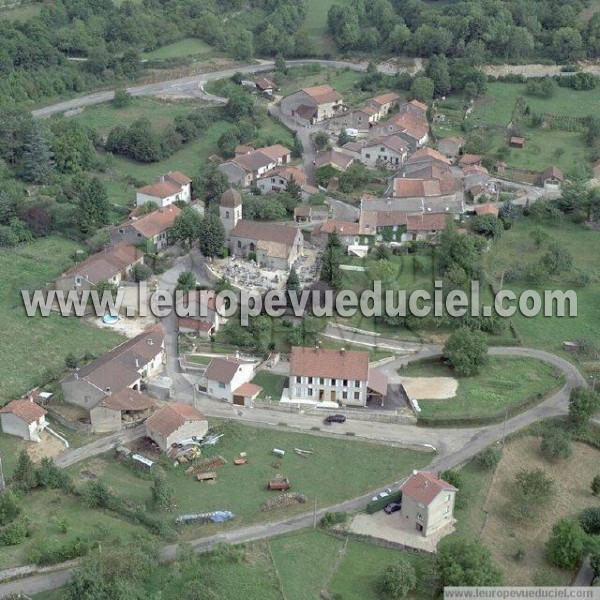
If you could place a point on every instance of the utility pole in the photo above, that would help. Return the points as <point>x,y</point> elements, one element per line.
<point>504,426</point>
<point>315,514</point>
<point>2,482</point>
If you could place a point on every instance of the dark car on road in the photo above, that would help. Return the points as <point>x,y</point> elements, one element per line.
<point>334,419</point>
<point>392,507</point>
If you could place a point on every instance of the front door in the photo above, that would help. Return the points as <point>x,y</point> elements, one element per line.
<point>333,397</point>
<point>238,400</point>
<point>419,527</point>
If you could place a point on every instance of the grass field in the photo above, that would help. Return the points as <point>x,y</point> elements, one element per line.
<point>185,47</point>
<point>503,382</point>
<point>32,345</point>
<point>21,13</point>
<point>103,117</point>
<point>242,489</point>
<point>517,246</point>
<point>486,515</point>
<point>316,23</point>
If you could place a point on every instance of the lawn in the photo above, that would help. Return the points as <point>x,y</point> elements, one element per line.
<point>305,561</point>
<point>316,23</point>
<point>242,489</point>
<point>358,574</point>
<point>103,117</point>
<point>185,47</point>
<point>272,384</point>
<point>516,247</point>
<point>503,383</point>
<point>34,345</point>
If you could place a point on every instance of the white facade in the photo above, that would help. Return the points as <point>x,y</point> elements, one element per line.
<point>328,392</point>
<point>376,154</point>
<point>14,425</point>
<point>224,390</point>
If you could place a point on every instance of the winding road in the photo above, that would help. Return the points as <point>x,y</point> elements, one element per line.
<point>454,446</point>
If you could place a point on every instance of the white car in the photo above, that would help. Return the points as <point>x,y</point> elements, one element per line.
<point>380,495</point>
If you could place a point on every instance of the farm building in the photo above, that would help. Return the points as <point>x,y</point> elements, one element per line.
<point>175,423</point>
<point>23,418</point>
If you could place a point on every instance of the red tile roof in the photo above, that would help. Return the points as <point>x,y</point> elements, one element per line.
<point>268,232</point>
<point>342,227</point>
<point>287,173</point>
<point>378,381</point>
<point>427,222</point>
<point>178,177</point>
<point>248,390</point>
<point>107,263</point>
<point>469,159</point>
<point>223,370</point>
<point>489,208</point>
<point>415,188</point>
<point>156,222</point>
<point>333,157</point>
<point>127,399</point>
<point>25,410</point>
<point>322,94</point>
<point>420,105</point>
<point>160,189</point>
<point>424,154</point>
<point>424,487</point>
<point>323,362</point>
<point>385,98</point>
<point>169,419</point>
<point>195,324</point>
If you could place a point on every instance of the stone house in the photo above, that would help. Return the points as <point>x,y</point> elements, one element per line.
<point>169,188</point>
<point>126,408</point>
<point>313,104</point>
<point>427,503</point>
<point>243,170</point>
<point>175,423</point>
<point>151,229</point>
<point>265,86</point>
<point>278,179</point>
<point>388,151</point>
<point>224,376</point>
<point>126,366</point>
<point>551,180</point>
<point>23,418</point>
<point>384,103</point>
<point>274,245</point>
<point>111,264</point>
<point>333,158</point>
<point>331,378</point>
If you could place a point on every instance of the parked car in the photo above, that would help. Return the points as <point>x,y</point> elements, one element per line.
<point>392,507</point>
<point>334,419</point>
<point>380,495</point>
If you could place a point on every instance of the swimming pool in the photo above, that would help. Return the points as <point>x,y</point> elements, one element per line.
<point>110,319</point>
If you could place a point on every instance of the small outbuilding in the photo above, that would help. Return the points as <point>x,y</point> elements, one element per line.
<point>23,418</point>
<point>175,423</point>
<point>517,141</point>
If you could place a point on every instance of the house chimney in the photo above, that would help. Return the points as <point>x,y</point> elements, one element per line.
<point>137,363</point>
<point>107,390</point>
<point>343,350</point>
<point>415,472</point>
<point>150,342</point>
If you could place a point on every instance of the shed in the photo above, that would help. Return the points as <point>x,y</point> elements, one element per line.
<point>23,418</point>
<point>517,141</point>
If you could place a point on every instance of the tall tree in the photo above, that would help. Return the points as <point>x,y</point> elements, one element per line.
<point>466,351</point>
<point>186,226</point>
<point>92,205</point>
<point>24,475</point>
<point>462,562</point>
<point>566,544</point>
<point>330,261</point>
<point>212,235</point>
<point>38,159</point>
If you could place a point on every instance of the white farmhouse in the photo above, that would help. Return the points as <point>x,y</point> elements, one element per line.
<point>224,376</point>
<point>169,188</point>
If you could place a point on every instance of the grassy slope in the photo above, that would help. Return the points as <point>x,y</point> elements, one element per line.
<point>358,467</point>
<point>21,13</point>
<point>503,382</point>
<point>31,345</point>
<point>184,47</point>
<point>516,246</point>
<point>316,23</point>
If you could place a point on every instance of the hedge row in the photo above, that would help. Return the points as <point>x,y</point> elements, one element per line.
<point>380,503</point>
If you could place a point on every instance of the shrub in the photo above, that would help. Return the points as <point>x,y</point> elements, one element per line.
<point>596,485</point>
<point>398,579</point>
<point>14,534</point>
<point>566,544</point>
<point>47,552</point>
<point>556,445</point>
<point>10,507</point>
<point>589,519</point>
<point>489,458</point>
<point>331,519</point>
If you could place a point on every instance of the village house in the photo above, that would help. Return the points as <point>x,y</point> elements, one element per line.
<point>126,366</point>
<point>331,378</point>
<point>112,264</point>
<point>273,245</point>
<point>489,208</point>
<point>333,158</point>
<point>23,418</point>
<point>384,103</point>
<point>412,124</point>
<point>125,408</point>
<point>428,156</point>
<point>400,226</point>
<point>203,308</point>
<point>313,104</point>
<point>243,170</point>
<point>230,209</point>
<point>470,160</point>
<point>278,179</point>
<point>355,236</point>
<point>427,503</point>
<point>175,423</point>
<point>151,229</point>
<point>425,226</point>
<point>386,151</point>
<point>265,86</point>
<point>551,180</point>
<point>169,188</point>
<point>224,376</point>
<point>450,147</point>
